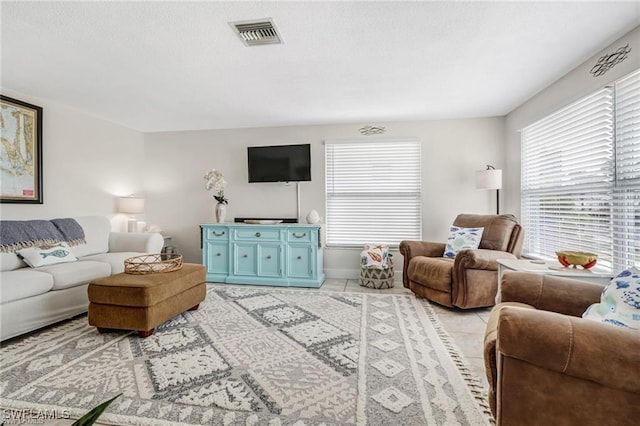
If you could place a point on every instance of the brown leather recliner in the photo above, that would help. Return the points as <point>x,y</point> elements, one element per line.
<point>548,366</point>
<point>471,279</point>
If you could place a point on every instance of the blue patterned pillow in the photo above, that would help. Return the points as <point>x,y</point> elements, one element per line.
<point>620,301</point>
<point>462,238</point>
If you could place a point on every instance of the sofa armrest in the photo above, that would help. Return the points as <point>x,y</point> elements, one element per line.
<point>409,249</point>
<point>585,349</point>
<point>135,241</point>
<point>550,293</point>
<point>480,259</point>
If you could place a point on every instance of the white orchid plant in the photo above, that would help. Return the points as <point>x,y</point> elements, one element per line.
<point>215,181</point>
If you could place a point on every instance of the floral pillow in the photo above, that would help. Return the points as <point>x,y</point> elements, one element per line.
<point>620,301</point>
<point>462,238</point>
<point>375,256</point>
<point>46,255</point>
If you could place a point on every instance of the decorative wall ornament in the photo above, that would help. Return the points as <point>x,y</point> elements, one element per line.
<point>610,60</point>
<point>372,130</point>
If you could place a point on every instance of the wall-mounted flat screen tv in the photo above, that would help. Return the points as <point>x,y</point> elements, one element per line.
<point>279,163</point>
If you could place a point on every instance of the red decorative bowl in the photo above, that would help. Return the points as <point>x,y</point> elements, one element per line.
<point>577,258</point>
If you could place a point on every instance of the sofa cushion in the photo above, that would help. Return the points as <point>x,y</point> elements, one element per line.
<point>24,283</point>
<point>620,301</point>
<point>67,275</point>
<point>116,260</point>
<point>37,256</point>
<point>96,233</point>
<point>461,239</point>
<point>10,262</point>
<point>432,272</point>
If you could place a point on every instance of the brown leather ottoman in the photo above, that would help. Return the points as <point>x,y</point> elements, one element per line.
<point>142,302</point>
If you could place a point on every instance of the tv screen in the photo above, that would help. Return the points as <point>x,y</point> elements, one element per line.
<point>279,163</point>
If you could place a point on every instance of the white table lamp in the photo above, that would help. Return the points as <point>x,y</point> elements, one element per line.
<point>491,178</point>
<point>131,206</point>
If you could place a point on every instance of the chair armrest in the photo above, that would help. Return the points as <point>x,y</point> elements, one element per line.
<point>480,259</point>
<point>475,277</point>
<point>421,248</point>
<point>135,241</point>
<point>550,293</point>
<point>409,249</point>
<point>585,349</point>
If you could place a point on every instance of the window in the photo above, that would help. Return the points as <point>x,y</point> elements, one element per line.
<point>373,191</point>
<point>581,177</point>
<point>626,194</point>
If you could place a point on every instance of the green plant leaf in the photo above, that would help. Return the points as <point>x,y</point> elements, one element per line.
<point>91,417</point>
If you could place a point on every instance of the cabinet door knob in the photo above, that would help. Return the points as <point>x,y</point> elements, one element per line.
<point>304,234</point>
<point>258,234</point>
<point>218,235</point>
<point>217,254</point>
<point>268,257</point>
<point>244,255</point>
<point>299,257</point>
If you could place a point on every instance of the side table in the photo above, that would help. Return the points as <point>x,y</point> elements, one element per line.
<point>595,275</point>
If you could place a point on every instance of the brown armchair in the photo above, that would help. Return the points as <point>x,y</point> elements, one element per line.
<point>548,366</point>
<point>471,279</point>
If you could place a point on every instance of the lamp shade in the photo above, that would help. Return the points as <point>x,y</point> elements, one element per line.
<point>489,179</point>
<point>131,205</point>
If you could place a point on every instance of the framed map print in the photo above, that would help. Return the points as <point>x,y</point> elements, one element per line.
<point>20,152</point>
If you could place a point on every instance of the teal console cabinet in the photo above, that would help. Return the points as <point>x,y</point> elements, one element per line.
<point>288,255</point>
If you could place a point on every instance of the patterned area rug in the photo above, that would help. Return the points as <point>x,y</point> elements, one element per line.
<point>252,356</point>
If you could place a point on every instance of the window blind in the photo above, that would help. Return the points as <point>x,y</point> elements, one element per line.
<point>373,190</point>
<point>626,194</point>
<point>567,175</point>
<point>581,177</point>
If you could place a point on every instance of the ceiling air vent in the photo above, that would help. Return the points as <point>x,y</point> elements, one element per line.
<point>257,32</point>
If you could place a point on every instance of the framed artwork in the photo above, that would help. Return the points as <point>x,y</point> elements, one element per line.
<point>20,152</point>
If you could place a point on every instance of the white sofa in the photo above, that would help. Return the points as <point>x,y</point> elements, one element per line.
<point>31,298</point>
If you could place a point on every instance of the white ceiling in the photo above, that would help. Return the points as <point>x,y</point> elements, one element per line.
<point>158,66</point>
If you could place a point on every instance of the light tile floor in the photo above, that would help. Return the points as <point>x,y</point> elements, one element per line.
<point>465,327</point>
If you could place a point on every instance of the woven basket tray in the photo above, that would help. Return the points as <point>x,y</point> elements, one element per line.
<point>153,263</point>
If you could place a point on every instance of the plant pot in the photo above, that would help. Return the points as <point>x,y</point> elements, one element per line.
<point>220,212</point>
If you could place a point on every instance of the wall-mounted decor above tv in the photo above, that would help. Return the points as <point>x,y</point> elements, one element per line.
<point>279,163</point>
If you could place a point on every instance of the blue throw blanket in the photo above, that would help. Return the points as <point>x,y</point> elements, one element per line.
<point>19,234</point>
<point>71,231</point>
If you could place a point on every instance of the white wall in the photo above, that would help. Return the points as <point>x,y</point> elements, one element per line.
<point>87,164</point>
<point>175,163</point>
<point>573,86</point>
